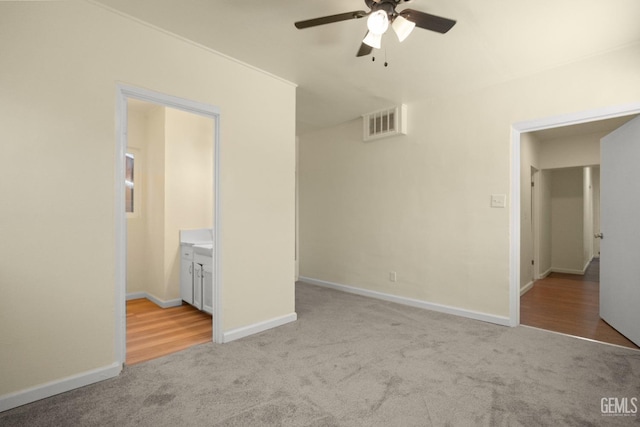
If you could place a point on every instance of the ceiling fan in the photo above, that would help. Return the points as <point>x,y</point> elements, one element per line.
<point>381,14</point>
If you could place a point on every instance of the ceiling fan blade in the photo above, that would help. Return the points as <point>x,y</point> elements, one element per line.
<point>364,50</point>
<point>330,19</point>
<point>427,21</point>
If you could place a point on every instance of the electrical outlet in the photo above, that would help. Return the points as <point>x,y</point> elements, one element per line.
<point>392,276</point>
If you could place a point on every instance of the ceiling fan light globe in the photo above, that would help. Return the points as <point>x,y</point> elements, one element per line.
<point>378,22</point>
<point>373,40</point>
<point>402,27</point>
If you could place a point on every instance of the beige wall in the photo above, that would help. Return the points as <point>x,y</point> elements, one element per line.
<point>61,62</point>
<point>154,197</point>
<point>188,200</point>
<point>419,204</point>
<point>567,220</point>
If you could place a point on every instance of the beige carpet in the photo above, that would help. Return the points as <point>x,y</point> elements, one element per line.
<point>354,361</point>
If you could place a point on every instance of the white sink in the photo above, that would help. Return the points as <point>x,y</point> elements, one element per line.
<point>201,236</point>
<point>206,249</point>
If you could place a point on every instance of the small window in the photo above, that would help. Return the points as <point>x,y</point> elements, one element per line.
<point>132,180</point>
<point>129,182</point>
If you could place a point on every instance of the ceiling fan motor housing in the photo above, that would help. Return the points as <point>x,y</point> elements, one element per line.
<point>388,6</point>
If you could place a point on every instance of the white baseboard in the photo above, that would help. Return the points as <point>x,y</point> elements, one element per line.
<point>545,274</point>
<point>526,288</point>
<point>136,295</point>
<point>567,271</point>
<point>13,400</point>
<point>245,331</point>
<point>157,301</point>
<point>571,270</point>
<point>164,304</point>
<point>500,320</point>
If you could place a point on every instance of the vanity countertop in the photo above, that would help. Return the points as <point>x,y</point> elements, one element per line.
<point>200,236</point>
<point>197,243</point>
<point>204,249</point>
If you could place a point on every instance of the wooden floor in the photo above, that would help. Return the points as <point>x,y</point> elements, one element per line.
<point>153,332</point>
<point>569,303</point>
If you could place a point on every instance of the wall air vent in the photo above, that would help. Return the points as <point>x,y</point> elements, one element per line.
<point>385,123</point>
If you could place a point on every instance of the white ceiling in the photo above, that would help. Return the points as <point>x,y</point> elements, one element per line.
<point>493,41</point>
<point>601,126</point>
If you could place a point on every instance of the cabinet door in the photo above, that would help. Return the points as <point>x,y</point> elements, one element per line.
<point>207,288</point>
<point>197,286</point>
<point>186,281</point>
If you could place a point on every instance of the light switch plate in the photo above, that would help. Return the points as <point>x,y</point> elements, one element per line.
<point>498,200</point>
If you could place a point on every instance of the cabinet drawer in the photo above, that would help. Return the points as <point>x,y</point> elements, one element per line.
<point>186,252</point>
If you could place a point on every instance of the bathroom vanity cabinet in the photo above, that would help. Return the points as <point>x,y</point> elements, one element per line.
<point>186,273</point>
<point>203,280</point>
<point>196,269</point>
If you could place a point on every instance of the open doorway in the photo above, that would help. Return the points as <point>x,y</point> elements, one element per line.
<point>179,195</point>
<point>563,294</point>
<point>168,187</point>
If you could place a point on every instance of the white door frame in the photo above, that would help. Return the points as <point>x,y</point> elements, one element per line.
<point>535,240</point>
<point>530,126</point>
<point>123,93</point>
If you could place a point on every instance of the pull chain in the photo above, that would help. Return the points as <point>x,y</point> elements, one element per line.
<point>386,64</point>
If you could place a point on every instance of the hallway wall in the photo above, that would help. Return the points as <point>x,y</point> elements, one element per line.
<point>567,220</point>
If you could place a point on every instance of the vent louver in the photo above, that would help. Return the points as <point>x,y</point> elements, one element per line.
<point>385,123</point>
